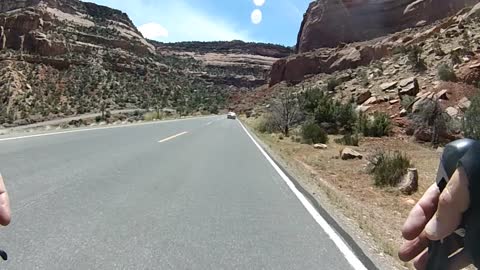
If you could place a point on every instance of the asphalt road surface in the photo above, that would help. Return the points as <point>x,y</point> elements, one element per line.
<point>188,194</point>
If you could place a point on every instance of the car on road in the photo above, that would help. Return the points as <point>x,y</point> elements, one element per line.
<point>232,115</point>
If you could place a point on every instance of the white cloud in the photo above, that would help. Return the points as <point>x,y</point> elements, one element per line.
<point>153,31</point>
<point>183,21</point>
<point>256,16</point>
<point>259,3</point>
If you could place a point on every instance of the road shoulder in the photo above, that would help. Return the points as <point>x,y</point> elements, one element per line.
<point>323,198</point>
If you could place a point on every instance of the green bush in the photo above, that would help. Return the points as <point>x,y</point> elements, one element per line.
<point>313,133</point>
<point>378,126</point>
<point>324,109</point>
<point>471,122</point>
<point>407,102</point>
<point>332,83</point>
<point>455,57</point>
<point>388,168</point>
<point>446,73</point>
<point>98,119</point>
<point>348,139</point>
<point>415,58</point>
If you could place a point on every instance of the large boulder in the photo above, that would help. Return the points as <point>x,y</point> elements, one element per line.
<point>348,153</point>
<point>328,23</point>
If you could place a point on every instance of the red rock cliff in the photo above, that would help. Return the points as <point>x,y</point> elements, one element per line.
<point>327,23</point>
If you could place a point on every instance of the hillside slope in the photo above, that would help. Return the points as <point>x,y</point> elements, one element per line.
<point>61,58</point>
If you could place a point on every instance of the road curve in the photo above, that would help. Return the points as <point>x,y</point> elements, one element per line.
<point>189,194</point>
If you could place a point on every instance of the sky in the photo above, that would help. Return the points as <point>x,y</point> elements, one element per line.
<point>270,21</point>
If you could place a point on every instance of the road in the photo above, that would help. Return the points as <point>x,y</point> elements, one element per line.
<point>188,194</point>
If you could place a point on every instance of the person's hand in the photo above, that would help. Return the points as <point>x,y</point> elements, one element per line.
<point>435,217</point>
<point>4,204</point>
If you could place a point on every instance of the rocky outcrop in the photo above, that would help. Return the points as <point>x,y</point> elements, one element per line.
<point>328,23</point>
<point>296,67</point>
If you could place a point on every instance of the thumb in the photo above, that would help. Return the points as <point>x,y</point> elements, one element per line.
<point>453,202</point>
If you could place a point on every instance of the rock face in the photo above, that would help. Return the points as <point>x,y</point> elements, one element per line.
<point>328,23</point>
<point>296,67</point>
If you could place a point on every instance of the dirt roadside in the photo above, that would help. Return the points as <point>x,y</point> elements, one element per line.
<point>372,216</point>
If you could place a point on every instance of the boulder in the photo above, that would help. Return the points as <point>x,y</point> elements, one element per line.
<point>320,146</point>
<point>409,87</point>
<point>409,183</point>
<point>403,112</point>
<point>394,101</point>
<point>348,153</point>
<point>442,94</point>
<point>372,100</point>
<point>464,104</point>
<point>363,96</point>
<point>453,112</point>
<point>388,85</point>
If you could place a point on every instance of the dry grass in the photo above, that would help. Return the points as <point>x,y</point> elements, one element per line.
<point>379,212</point>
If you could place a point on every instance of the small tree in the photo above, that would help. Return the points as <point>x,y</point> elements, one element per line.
<point>286,111</point>
<point>433,117</point>
<point>471,122</point>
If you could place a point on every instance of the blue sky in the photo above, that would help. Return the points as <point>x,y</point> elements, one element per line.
<point>272,21</point>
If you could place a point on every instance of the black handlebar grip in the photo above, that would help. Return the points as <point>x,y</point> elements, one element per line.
<point>470,162</point>
<point>457,153</point>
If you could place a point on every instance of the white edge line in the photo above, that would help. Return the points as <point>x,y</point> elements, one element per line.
<point>346,251</point>
<point>96,128</point>
<point>173,137</point>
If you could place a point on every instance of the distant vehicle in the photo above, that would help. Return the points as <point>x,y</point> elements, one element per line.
<point>232,115</point>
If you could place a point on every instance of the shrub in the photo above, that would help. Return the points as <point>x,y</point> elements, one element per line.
<point>313,133</point>
<point>324,109</point>
<point>437,49</point>
<point>332,83</point>
<point>471,122</point>
<point>346,117</point>
<point>446,73</point>
<point>466,42</point>
<point>108,114</point>
<point>388,168</point>
<point>348,139</point>
<point>407,102</point>
<point>455,57</point>
<point>98,119</point>
<point>266,124</point>
<point>415,58</point>
<point>362,77</point>
<point>377,126</point>
<point>432,116</point>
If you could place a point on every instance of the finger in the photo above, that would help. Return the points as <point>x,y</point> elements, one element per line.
<point>453,202</point>
<point>421,213</point>
<point>412,248</point>
<point>421,261</point>
<point>4,204</point>
<point>459,261</point>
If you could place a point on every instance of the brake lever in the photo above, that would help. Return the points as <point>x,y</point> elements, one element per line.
<point>439,250</point>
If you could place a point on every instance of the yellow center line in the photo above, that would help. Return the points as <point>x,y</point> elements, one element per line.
<point>173,137</point>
